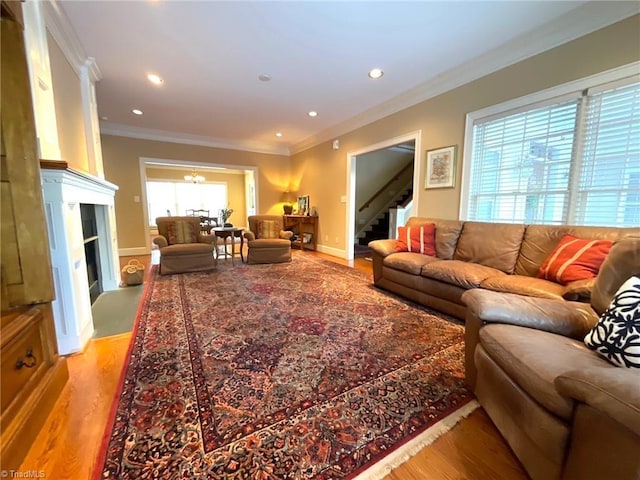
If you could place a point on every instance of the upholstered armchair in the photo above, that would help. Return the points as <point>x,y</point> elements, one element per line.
<point>267,241</point>
<point>182,246</point>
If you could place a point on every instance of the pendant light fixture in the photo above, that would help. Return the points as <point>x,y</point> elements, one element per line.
<point>194,177</point>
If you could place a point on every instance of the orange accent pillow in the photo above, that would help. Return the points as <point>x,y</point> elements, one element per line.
<point>267,229</point>
<point>574,259</point>
<point>420,239</point>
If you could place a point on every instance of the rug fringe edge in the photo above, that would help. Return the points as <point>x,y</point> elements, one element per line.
<point>392,461</point>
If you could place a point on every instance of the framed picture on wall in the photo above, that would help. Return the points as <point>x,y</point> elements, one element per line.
<point>303,205</point>
<point>441,168</point>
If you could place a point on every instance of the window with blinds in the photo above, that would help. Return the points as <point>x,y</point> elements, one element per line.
<point>569,160</point>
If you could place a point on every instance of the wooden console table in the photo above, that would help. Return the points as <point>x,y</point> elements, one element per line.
<point>303,226</point>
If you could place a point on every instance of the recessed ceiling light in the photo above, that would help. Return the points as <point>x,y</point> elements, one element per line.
<point>136,111</point>
<point>264,77</point>
<point>313,113</point>
<point>155,79</point>
<point>278,134</point>
<point>375,73</point>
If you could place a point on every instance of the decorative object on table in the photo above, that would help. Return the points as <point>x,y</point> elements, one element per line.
<point>287,197</point>
<point>303,205</point>
<point>282,402</point>
<point>225,213</point>
<point>133,273</point>
<point>314,211</point>
<point>441,168</point>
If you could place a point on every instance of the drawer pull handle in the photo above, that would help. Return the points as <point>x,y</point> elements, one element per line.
<point>29,362</point>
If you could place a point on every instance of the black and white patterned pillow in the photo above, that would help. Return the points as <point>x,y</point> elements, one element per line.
<point>616,336</point>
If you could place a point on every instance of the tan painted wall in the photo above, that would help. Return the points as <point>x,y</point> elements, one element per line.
<point>69,116</point>
<point>235,189</point>
<point>321,171</point>
<point>121,166</point>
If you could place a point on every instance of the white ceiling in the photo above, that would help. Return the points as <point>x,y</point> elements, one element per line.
<point>210,54</point>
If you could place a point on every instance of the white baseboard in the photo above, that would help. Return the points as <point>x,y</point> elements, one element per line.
<point>336,252</point>
<point>125,252</point>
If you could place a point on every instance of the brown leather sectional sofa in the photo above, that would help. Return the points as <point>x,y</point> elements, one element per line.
<point>492,256</point>
<point>567,412</point>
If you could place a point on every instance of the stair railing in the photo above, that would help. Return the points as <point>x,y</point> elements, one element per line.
<point>360,229</point>
<point>386,186</point>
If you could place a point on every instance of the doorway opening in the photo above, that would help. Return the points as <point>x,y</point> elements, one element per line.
<point>378,177</point>
<point>239,182</point>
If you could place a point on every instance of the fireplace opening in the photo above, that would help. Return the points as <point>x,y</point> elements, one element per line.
<point>91,249</point>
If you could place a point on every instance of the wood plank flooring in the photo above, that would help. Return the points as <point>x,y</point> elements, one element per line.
<point>69,442</point>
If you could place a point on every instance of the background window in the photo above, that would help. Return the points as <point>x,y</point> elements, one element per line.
<point>176,198</point>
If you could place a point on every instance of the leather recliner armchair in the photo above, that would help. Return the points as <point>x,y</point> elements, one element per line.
<point>567,412</point>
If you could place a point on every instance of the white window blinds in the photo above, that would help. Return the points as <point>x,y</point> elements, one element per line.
<point>608,190</point>
<point>574,160</point>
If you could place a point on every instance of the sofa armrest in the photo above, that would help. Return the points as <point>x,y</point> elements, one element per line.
<point>160,241</point>
<point>210,239</point>
<point>612,390</point>
<point>286,234</point>
<point>383,247</point>
<point>249,236</point>
<point>570,319</point>
<point>580,290</point>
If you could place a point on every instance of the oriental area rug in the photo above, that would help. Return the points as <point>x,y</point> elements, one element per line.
<point>301,370</point>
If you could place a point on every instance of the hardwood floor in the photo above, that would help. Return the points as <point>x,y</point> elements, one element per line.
<point>69,442</point>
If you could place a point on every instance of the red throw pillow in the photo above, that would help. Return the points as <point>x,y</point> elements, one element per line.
<point>574,259</point>
<point>420,239</point>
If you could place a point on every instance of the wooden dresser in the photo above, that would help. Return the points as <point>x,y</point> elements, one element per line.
<point>32,375</point>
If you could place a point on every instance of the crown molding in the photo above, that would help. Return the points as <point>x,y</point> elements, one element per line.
<point>58,24</point>
<point>579,22</point>
<point>108,128</point>
<point>92,69</point>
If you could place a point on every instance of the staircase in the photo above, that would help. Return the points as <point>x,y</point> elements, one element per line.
<point>380,229</point>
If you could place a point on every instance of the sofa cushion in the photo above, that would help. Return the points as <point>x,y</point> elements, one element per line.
<point>523,285</point>
<point>447,234</point>
<point>539,240</point>
<point>267,229</point>
<point>463,274</point>
<point>408,261</point>
<point>187,249</point>
<point>574,259</point>
<point>616,336</point>
<point>417,239</point>
<point>494,245</point>
<point>533,359</point>
<point>621,263</point>
<point>182,232</point>
<point>269,243</point>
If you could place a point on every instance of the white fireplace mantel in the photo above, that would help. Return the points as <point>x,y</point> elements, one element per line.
<point>64,190</point>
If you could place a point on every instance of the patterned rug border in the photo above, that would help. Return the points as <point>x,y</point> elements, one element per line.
<point>377,468</point>
<point>149,279</point>
<point>404,451</point>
